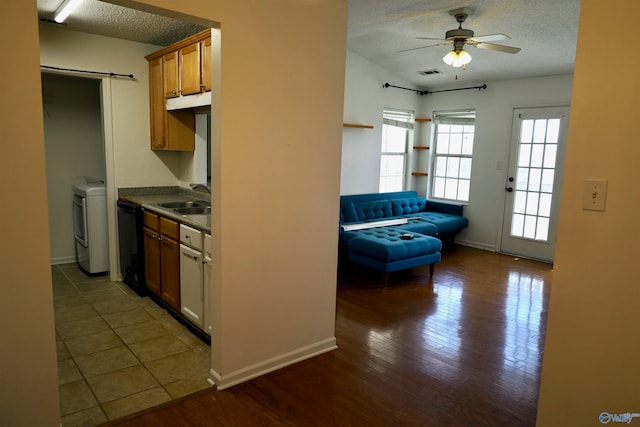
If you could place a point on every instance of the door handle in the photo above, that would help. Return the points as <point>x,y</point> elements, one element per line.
<point>509,189</point>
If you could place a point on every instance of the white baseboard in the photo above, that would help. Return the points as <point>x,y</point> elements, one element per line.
<point>477,245</point>
<point>250,372</point>
<point>63,260</point>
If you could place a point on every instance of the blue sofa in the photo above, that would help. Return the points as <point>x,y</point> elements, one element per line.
<point>432,218</point>
<point>416,241</point>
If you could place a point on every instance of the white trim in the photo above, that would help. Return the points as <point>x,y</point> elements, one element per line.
<point>63,260</point>
<point>250,372</point>
<point>189,101</point>
<point>109,153</point>
<point>477,245</point>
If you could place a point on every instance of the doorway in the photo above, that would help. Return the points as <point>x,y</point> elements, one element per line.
<point>534,182</point>
<point>74,145</point>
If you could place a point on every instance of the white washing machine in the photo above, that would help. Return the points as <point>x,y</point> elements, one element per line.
<point>90,227</point>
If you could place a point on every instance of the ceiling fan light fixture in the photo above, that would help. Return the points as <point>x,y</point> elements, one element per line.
<point>457,58</point>
<point>65,10</point>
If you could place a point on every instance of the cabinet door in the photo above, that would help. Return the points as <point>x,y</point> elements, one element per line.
<point>205,64</point>
<point>191,292</point>
<point>170,256</point>
<point>152,260</point>
<point>157,105</point>
<point>170,73</point>
<point>181,130</point>
<point>190,69</point>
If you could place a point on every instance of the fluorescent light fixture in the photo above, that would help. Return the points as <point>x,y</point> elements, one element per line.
<point>457,58</point>
<point>65,10</point>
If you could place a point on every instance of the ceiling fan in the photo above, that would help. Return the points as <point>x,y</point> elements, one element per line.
<point>458,37</point>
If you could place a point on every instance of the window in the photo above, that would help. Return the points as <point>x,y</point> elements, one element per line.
<point>453,149</point>
<point>396,131</point>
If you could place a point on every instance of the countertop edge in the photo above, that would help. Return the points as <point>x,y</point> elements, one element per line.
<point>148,202</point>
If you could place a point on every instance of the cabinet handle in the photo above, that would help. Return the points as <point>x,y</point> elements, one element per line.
<point>195,257</point>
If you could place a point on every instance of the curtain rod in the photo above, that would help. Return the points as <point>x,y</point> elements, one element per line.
<point>427,92</point>
<point>100,73</point>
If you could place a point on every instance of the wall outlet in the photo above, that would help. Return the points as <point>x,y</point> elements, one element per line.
<point>594,195</point>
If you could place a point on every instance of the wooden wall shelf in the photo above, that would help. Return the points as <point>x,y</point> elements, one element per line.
<point>354,125</point>
<point>420,147</point>
<point>419,174</point>
<point>423,120</point>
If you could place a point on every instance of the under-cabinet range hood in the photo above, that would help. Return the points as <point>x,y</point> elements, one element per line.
<point>189,101</point>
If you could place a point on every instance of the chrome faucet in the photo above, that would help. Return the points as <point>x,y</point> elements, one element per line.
<point>200,187</point>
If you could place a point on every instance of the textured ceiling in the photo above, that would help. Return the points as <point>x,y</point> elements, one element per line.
<point>97,17</point>
<point>546,30</point>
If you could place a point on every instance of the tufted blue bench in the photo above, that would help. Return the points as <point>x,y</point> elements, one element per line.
<point>384,249</point>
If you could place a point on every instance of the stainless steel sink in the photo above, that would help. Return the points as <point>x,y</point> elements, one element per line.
<point>183,204</point>
<point>194,210</point>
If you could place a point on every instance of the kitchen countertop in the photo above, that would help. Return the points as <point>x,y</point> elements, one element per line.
<point>149,197</point>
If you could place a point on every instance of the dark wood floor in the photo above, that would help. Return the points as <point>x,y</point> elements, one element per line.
<point>462,349</point>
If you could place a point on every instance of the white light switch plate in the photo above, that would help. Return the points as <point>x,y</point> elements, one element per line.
<point>595,194</point>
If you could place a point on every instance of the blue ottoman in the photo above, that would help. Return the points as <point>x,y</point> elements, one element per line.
<point>386,250</point>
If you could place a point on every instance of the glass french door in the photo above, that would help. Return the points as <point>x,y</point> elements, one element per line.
<point>534,182</point>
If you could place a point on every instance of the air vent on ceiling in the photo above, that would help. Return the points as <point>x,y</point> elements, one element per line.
<point>429,72</point>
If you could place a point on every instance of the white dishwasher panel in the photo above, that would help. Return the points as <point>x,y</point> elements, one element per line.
<point>191,289</point>
<point>191,237</point>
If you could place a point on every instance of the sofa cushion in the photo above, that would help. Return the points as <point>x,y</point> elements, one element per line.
<point>420,226</point>
<point>385,244</point>
<point>347,212</point>
<point>408,206</point>
<point>446,223</point>
<point>373,210</point>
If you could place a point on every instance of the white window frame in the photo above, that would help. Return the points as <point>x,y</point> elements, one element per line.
<point>447,185</point>
<point>402,119</point>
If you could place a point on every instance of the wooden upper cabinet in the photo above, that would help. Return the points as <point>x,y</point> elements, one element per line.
<point>205,63</point>
<point>190,80</point>
<point>170,130</point>
<point>175,71</point>
<point>170,70</point>
<point>157,105</point>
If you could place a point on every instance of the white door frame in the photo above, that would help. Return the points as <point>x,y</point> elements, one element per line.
<point>531,248</point>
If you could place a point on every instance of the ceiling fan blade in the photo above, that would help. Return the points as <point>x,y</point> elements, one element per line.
<point>490,38</point>
<point>423,47</point>
<point>429,38</point>
<point>497,47</point>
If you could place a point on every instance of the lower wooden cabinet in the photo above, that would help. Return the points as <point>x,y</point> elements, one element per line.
<point>162,258</point>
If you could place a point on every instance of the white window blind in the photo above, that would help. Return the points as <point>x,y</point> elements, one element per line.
<point>397,126</point>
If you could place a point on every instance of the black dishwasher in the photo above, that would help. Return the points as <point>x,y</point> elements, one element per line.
<point>131,244</point>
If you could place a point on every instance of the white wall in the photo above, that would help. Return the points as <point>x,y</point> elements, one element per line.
<point>135,164</point>
<point>74,149</point>
<point>277,157</point>
<point>365,98</point>
<point>494,111</point>
<point>592,347</point>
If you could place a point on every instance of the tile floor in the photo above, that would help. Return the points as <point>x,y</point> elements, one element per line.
<point>119,353</point>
